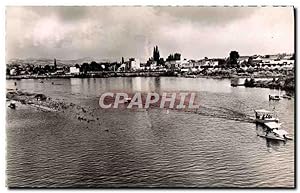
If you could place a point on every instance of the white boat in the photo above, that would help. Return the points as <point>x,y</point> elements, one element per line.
<point>264,116</point>
<point>273,131</point>
<point>274,97</point>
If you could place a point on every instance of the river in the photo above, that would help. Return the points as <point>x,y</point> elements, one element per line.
<point>155,148</point>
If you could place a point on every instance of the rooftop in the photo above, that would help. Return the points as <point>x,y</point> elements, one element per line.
<point>262,111</point>
<point>273,125</point>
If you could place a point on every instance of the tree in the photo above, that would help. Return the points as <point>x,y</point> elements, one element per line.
<point>84,67</point>
<point>233,57</point>
<point>177,56</point>
<point>36,70</point>
<point>148,63</point>
<point>249,83</point>
<point>47,68</point>
<point>161,61</point>
<point>252,82</point>
<point>246,83</point>
<point>293,57</point>
<point>94,66</point>
<point>221,62</point>
<point>122,60</point>
<point>250,60</point>
<point>170,57</point>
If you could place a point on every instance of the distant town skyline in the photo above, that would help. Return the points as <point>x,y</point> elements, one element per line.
<point>115,32</point>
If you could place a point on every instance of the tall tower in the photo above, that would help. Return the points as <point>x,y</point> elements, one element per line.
<point>54,63</point>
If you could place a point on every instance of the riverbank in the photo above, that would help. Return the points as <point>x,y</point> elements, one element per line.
<point>283,83</point>
<point>47,104</point>
<point>96,75</point>
<point>108,74</point>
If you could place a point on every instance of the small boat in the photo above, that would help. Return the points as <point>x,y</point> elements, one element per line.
<point>190,76</point>
<point>274,97</point>
<point>235,83</point>
<point>286,96</point>
<point>12,105</point>
<point>273,131</point>
<point>264,116</point>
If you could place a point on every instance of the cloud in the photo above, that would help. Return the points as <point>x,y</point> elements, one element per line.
<point>208,15</point>
<point>64,13</point>
<point>113,32</point>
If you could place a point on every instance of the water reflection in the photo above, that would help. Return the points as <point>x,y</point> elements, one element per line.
<point>271,144</point>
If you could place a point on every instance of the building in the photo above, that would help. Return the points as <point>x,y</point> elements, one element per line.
<point>186,64</point>
<point>55,65</point>
<point>122,67</point>
<point>243,59</point>
<point>74,70</point>
<point>174,64</point>
<point>199,63</point>
<point>258,59</point>
<point>153,65</point>
<point>135,64</point>
<point>210,63</point>
<point>184,70</point>
<point>13,72</point>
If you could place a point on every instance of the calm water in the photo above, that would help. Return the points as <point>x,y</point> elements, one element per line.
<point>147,148</point>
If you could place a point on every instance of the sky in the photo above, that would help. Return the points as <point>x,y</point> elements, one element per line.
<point>112,32</point>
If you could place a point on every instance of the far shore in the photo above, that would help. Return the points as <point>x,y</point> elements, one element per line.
<point>139,74</point>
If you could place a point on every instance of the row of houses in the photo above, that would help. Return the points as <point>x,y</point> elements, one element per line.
<point>267,59</point>
<point>192,63</point>
<point>268,62</point>
<point>244,62</point>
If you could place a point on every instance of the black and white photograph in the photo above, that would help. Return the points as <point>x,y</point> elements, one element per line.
<point>150,96</point>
